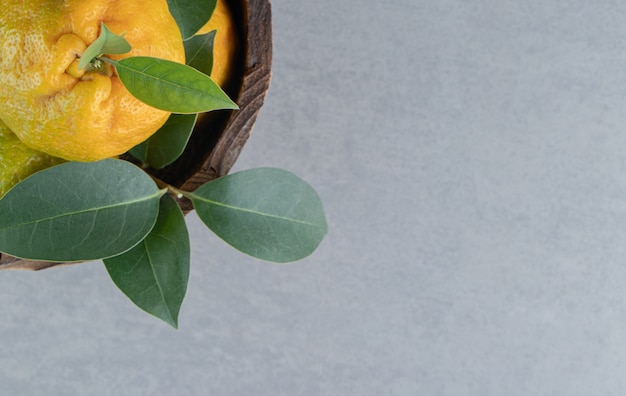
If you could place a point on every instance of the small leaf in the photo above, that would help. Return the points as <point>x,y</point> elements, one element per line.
<point>168,143</point>
<point>78,211</point>
<point>191,15</point>
<point>170,86</point>
<point>107,43</point>
<point>267,213</point>
<point>199,52</point>
<point>154,273</point>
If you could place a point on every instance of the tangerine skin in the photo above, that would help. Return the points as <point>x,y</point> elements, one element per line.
<point>225,44</point>
<point>17,161</point>
<point>55,108</point>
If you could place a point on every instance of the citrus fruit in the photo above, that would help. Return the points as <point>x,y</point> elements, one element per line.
<point>17,161</point>
<point>225,43</point>
<point>69,113</point>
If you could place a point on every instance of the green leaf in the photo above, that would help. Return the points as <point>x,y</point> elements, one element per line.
<point>191,15</point>
<point>78,211</point>
<point>154,273</point>
<point>168,143</point>
<point>170,86</point>
<point>107,43</point>
<point>199,52</point>
<point>267,213</point>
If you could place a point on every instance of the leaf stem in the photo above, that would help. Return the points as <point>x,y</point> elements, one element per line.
<point>178,193</point>
<point>107,60</point>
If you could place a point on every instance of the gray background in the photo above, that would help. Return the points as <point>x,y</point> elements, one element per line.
<point>471,156</point>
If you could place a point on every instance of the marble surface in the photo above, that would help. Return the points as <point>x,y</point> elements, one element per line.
<point>472,160</point>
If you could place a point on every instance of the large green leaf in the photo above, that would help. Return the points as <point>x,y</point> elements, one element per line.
<point>170,86</point>
<point>267,213</point>
<point>191,15</point>
<point>78,211</point>
<point>107,43</point>
<point>168,143</point>
<point>154,273</point>
<point>199,52</point>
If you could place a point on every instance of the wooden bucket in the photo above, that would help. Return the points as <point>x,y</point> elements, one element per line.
<point>219,136</point>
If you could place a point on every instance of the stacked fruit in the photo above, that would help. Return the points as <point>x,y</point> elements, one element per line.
<point>61,105</point>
